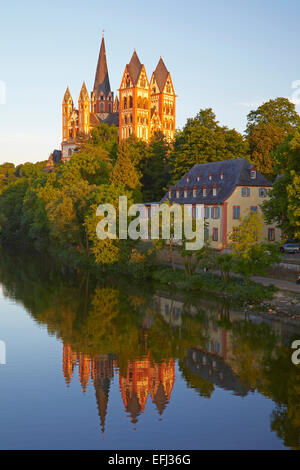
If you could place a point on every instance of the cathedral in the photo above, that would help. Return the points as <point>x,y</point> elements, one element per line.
<point>142,107</point>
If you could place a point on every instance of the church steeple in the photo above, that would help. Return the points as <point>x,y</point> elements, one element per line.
<point>101,77</point>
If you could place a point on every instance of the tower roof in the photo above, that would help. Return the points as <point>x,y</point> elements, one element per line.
<point>101,77</point>
<point>161,74</point>
<point>83,91</point>
<point>67,95</point>
<point>134,68</point>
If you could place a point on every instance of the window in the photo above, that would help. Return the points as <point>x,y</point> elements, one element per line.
<point>215,234</point>
<point>187,178</point>
<point>198,177</point>
<point>221,175</point>
<point>262,192</point>
<point>170,193</point>
<point>207,212</point>
<point>210,176</point>
<point>177,192</point>
<point>214,191</point>
<point>204,191</point>
<point>253,209</point>
<point>271,234</point>
<point>194,192</point>
<point>245,192</point>
<point>185,192</point>
<point>216,212</point>
<point>253,174</point>
<point>236,212</point>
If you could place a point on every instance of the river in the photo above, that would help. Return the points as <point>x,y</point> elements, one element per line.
<point>110,364</point>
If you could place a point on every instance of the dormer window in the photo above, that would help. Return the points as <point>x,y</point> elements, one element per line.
<point>194,191</point>
<point>187,178</point>
<point>204,191</point>
<point>198,177</point>
<point>210,176</point>
<point>185,192</point>
<point>221,175</point>
<point>253,173</point>
<point>214,190</point>
<point>170,193</point>
<point>177,193</point>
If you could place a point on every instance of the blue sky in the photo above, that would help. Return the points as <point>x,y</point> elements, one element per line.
<point>230,55</point>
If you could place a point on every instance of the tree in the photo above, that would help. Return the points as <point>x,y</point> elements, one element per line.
<point>263,139</point>
<point>155,169</point>
<point>267,127</point>
<point>283,205</point>
<point>250,254</point>
<point>203,140</point>
<point>279,112</point>
<point>124,173</point>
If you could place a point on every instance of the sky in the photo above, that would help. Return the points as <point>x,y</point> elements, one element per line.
<point>230,55</point>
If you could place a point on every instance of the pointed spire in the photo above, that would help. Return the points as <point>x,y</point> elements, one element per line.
<point>67,95</point>
<point>134,68</point>
<point>161,74</point>
<point>83,92</point>
<point>101,77</point>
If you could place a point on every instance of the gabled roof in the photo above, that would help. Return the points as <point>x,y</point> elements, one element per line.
<point>134,68</point>
<point>101,77</point>
<point>235,173</point>
<point>161,74</point>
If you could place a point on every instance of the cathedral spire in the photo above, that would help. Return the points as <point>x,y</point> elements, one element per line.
<point>101,77</point>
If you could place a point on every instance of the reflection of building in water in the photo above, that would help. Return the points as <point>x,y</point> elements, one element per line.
<point>69,362</point>
<point>100,369</point>
<point>144,378</point>
<point>102,373</point>
<point>213,369</point>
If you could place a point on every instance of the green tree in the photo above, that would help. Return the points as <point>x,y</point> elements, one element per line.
<point>250,253</point>
<point>155,169</point>
<point>283,205</point>
<point>204,140</point>
<point>267,126</point>
<point>279,112</point>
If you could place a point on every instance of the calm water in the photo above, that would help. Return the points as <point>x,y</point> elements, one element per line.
<point>107,365</point>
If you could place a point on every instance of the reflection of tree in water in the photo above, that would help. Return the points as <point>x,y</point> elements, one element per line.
<point>119,325</point>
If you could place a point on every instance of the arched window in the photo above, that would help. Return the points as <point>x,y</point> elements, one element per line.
<point>145,102</point>
<point>101,107</point>
<point>130,102</point>
<point>125,102</point>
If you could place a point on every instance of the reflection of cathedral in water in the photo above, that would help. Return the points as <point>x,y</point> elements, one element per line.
<point>210,362</point>
<point>142,378</point>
